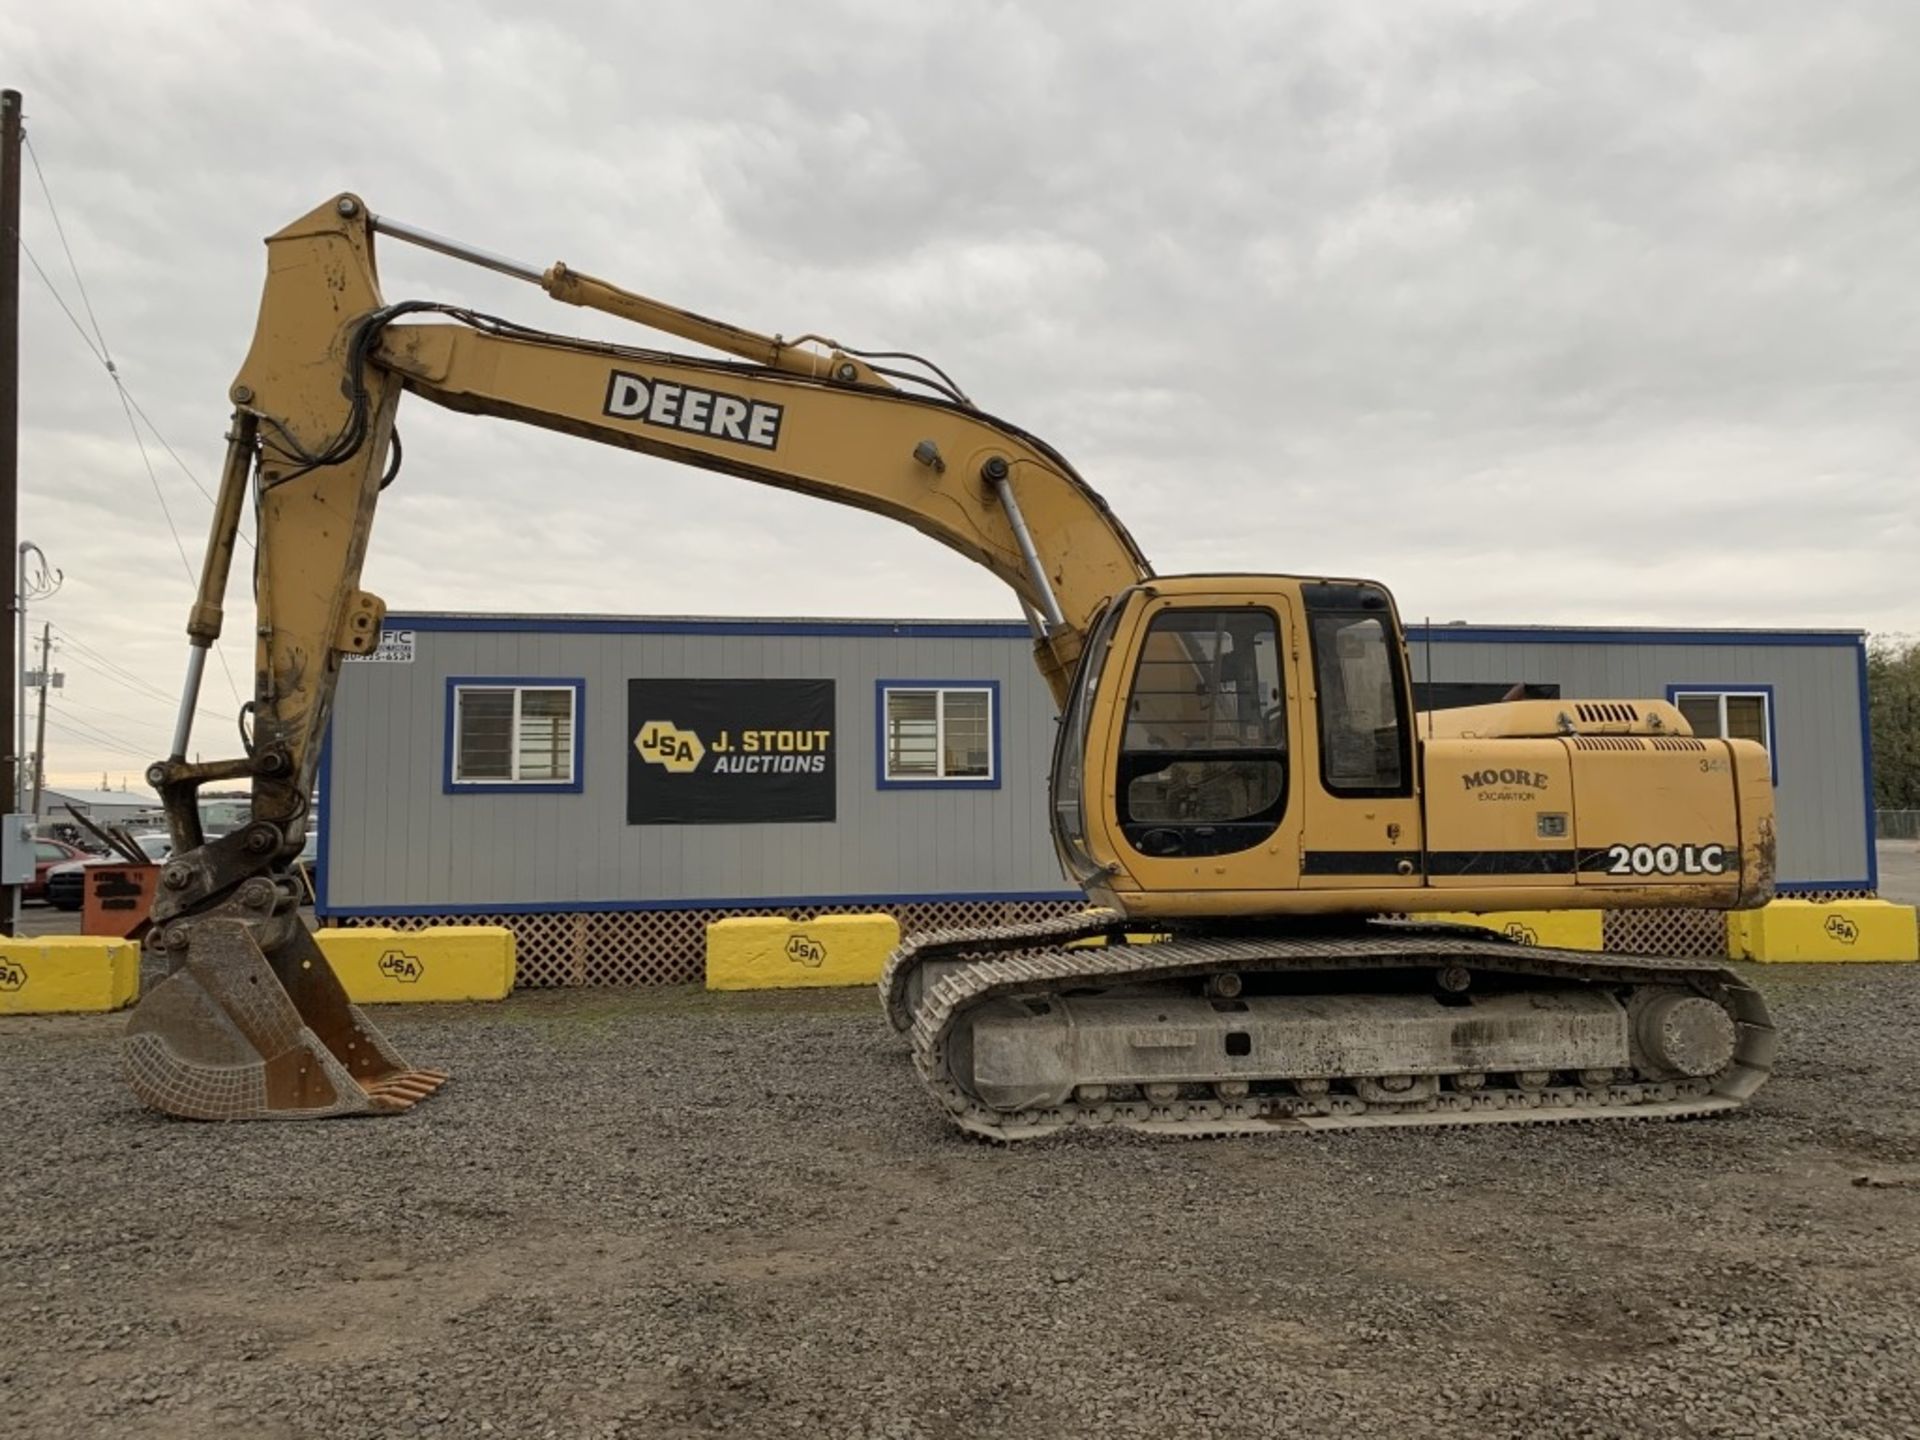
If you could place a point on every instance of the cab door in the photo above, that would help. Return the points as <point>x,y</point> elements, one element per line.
<point>1202,793</point>
<point>1362,823</point>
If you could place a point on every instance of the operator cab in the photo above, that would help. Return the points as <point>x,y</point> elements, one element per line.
<point>1194,733</point>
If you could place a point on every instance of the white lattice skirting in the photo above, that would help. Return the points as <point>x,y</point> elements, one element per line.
<point>1688,934</point>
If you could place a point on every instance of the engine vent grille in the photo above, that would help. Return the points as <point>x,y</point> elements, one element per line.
<point>1678,742</point>
<point>1607,742</point>
<point>1607,713</point>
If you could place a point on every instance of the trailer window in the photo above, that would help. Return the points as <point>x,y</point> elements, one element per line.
<point>513,735</point>
<point>938,733</point>
<point>1727,714</point>
<point>1732,713</point>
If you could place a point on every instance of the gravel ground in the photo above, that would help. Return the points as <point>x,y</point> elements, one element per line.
<point>662,1214</point>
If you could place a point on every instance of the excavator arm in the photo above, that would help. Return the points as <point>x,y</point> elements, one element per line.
<point>315,405</point>
<point>314,441</point>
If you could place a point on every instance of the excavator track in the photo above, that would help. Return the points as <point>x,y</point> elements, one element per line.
<point>944,985</point>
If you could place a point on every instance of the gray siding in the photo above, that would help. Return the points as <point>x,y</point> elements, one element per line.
<point>396,840</point>
<point>1820,793</point>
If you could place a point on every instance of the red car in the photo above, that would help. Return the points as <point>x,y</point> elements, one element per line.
<point>46,855</point>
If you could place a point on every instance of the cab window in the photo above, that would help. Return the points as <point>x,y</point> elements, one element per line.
<point>1363,736</point>
<point>1203,762</point>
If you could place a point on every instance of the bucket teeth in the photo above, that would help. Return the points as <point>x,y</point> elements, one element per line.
<point>407,1088</point>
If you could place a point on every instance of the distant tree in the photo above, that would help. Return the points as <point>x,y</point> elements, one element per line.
<point>1893,697</point>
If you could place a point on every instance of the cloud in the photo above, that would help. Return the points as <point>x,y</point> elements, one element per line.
<point>1575,313</point>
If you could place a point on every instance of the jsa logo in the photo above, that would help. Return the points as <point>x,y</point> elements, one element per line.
<point>804,951</point>
<point>398,965</point>
<point>712,413</point>
<point>662,743</point>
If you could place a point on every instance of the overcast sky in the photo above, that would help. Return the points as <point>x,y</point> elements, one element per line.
<point>1581,313</point>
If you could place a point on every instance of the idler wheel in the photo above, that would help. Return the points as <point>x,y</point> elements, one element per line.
<point>1688,1034</point>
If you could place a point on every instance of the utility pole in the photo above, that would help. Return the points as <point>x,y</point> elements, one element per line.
<point>47,678</point>
<point>33,580</point>
<point>10,106</point>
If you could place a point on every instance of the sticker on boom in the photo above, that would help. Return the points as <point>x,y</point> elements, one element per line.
<point>713,413</point>
<point>1667,860</point>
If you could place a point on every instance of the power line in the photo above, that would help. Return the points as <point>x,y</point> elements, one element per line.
<point>142,722</point>
<point>193,580</point>
<point>72,738</point>
<point>98,665</point>
<point>104,354</point>
<point>112,747</point>
<point>114,670</point>
<point>113,736</point>
<point>73,719</point>
<point>94,735</point>
<point>106,667</point>
<point>192,479</point>
<point>61,231</point>
<point>54,291</point>
<point>113,370</point>
<point>165,512</point>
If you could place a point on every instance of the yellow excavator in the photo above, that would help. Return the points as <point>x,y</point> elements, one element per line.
<point>1241,782</point>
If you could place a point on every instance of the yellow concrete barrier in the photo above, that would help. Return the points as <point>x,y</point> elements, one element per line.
<point>444,962</point>
<point>61,974</point>
<point>773,953</point>
<point>1787,931</point>
<point>1557,929</point>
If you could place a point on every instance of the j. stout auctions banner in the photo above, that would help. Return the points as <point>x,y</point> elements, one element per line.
<point>714,752</point>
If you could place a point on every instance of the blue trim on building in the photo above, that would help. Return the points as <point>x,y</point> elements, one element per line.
<point>880,780</point>
<point>450,786</point>
<point>749,902</point>
<point>1546,635</point>
<point>1744,687</point>
<point>775,902</point>
<point>1017,630</point>
<point>594,625</point>
<point>1866,769</point>
<point>323,830</point>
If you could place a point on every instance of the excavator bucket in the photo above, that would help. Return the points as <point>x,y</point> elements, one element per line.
<point>238,1033</point>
